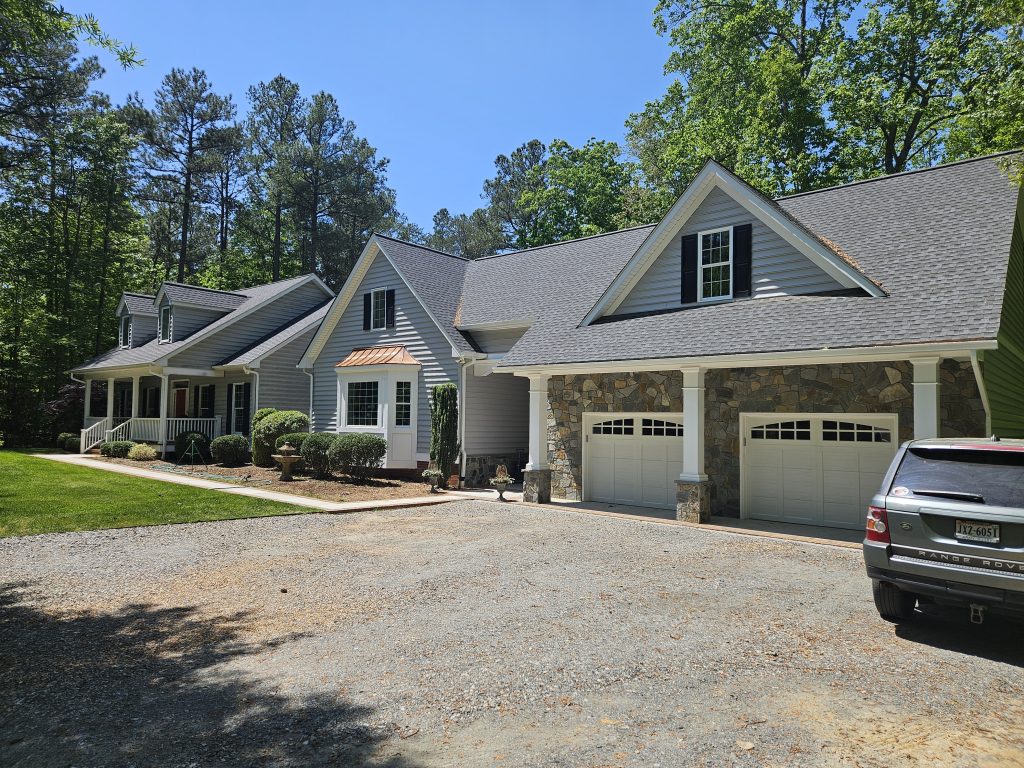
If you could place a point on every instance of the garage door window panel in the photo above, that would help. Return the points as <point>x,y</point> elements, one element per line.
<point>660,428</point>
<point>784,430</point>
<point>614,427</point>
<point>852,432</point>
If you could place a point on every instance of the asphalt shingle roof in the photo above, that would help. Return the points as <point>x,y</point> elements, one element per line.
<point>938,240</point>
<point>280,336</point>
<point>139,303</point>
<point>153,350</point>
<point>205,297</point>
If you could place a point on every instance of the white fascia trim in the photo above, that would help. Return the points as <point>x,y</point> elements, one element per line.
<point>233,317</point>
<point>364,369</point>
<point>143,369</point>
<point>956,349</point>
<point>348,292</point>
<point>207,372</point>
<point>714,176</point>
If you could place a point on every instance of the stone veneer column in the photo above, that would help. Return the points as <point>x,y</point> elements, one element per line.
<point>537,476</point>
<point>693,499</point>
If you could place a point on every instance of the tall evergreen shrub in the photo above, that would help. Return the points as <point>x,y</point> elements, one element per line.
<point>444,428</point>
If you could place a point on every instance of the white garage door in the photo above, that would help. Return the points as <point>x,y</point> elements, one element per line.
<point>819,470</point>
<point>633,459</point>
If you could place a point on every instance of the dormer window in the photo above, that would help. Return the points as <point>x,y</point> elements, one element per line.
<point>165,324</point>
<point>714,281</point>
<point>379,309</point>
<point>125,334</point>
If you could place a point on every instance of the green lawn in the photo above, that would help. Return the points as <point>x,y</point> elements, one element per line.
<point>43,496</point>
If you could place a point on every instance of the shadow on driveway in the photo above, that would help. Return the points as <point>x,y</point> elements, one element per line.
<point>152,686</point>
<point>998,639</point>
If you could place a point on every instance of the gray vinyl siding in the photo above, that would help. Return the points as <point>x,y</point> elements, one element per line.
<point>413,328</point>
<point>187,320</point>
<point>497,342</point>
<point>143,329</point>
<point>777,268</point>
<point>245,332</point>
<point>496,413</point>
<point>1003,368</point>
<point>282,385</point>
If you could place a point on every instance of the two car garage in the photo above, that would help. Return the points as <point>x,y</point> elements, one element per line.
<point>816,469</point>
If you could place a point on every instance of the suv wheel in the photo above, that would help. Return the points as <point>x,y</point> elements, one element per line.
<point>893,604</point>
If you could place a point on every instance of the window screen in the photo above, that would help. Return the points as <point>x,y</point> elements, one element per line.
<point>362,404</point>
<point>403,403</point>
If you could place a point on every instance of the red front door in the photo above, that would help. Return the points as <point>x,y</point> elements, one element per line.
<point>180,403</point>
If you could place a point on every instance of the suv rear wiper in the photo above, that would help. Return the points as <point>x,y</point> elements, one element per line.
<point>959,495</point>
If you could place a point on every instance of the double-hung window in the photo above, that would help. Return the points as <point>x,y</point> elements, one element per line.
<point>403,403</point>
<point>361,405</point>
<point>714,280</point>
<point>379,309</point>
<point>165,324</point>
<point>126,331</point>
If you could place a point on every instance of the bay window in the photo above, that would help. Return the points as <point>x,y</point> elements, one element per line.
<point>362,404</point>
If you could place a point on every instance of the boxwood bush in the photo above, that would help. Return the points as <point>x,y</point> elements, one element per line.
<point>68,441</point>
<point>230,450</point>
<point>358,456</point>
<point>116,449</point>
<point>272,426</point>
<point>261,413</point>
<point>142,452</point>
<point>316,453</point>
<point>181,443</point>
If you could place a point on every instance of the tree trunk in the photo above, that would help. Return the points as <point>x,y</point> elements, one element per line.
<point>275,264</point>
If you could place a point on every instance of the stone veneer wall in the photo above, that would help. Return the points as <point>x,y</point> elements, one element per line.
<point>847,387</point>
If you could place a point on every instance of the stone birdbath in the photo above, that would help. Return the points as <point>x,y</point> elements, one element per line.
<point>286,458</point>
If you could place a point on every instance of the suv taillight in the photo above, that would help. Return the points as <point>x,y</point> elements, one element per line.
<point>878,525</point>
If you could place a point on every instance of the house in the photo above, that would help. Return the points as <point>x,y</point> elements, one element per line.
<point>744,356</point>
<point>197,359</point>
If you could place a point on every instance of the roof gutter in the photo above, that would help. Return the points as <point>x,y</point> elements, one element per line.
<point>953,349</point>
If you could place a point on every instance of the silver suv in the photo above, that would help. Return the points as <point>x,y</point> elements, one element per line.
<point>948,527</point>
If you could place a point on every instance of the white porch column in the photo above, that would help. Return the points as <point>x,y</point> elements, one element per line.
<point>693,498</point>
<point>926,397</point>
<point>538,446</point>
<point>88,402</point>
<point>693,426</point>
<point>110,401</point>
<point>135,397</point>
<point>537,476</point>
<point>163,413</point>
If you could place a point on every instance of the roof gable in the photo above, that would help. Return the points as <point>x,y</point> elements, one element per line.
<point>712,177</point>
<point>137,304</point>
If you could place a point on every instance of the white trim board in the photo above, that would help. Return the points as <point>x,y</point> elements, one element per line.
<point>713,176</point>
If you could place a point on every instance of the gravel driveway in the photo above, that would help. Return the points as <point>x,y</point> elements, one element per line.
<point>477,634</point>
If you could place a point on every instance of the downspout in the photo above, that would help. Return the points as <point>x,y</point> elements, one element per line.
<point>464,363</point>
<point>976,365</point>
<point>256,386</point>
<point>309,372</point>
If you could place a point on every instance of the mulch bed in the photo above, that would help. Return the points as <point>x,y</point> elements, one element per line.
<point>334,489</point>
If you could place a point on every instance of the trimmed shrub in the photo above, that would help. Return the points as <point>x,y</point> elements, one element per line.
<point>358,456</point>
<point>230,450</point>
<point>116,449</point>
<point>316,453</point>
<point>142,452</point>
<point>444,428</point>
<point>181,443</point>
<point>261,413</point>
<point>68,441</point>
<point>271,427</point>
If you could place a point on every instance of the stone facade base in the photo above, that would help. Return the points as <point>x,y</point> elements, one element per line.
<point>480,469</point>
<point>537,486</point>
<point>693,501</point>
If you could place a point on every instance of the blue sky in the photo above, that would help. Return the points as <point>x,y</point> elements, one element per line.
<point>439,88</point>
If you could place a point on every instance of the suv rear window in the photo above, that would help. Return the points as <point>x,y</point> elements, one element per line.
<point>997,476</point>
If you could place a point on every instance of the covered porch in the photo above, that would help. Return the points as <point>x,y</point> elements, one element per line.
<point>147,406</point>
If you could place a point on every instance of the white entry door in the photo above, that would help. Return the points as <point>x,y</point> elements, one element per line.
<point>632,459</point>
<point>815,469</point>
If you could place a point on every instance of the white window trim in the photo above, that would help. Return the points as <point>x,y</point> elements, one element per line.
<point>701,267</point>
<point>386,377</point>
<point>383,292</point>
<point>411,380</point>
<point>124,340</point>
<point>168,326</point>
<point>235,387</point>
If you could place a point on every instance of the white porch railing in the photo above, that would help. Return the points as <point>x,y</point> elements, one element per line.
<point>209,427</point>
<point>90,420</point>
<point>93,434</point>
<point>120,432</point>
<point>145,430</point>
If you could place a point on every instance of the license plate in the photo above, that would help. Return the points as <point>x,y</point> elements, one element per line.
<point>967,530</point>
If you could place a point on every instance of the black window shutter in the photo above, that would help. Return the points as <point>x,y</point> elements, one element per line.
<point>741,259</point>
<point>689,269</point>
<point>246,411</point>
<point>389,308</point>
<point>195,402</point>
<point>210,410</point>
<point>366,311</point>
<point>231,410</point>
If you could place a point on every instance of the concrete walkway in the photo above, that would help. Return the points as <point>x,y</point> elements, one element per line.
<point>322,505</point>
